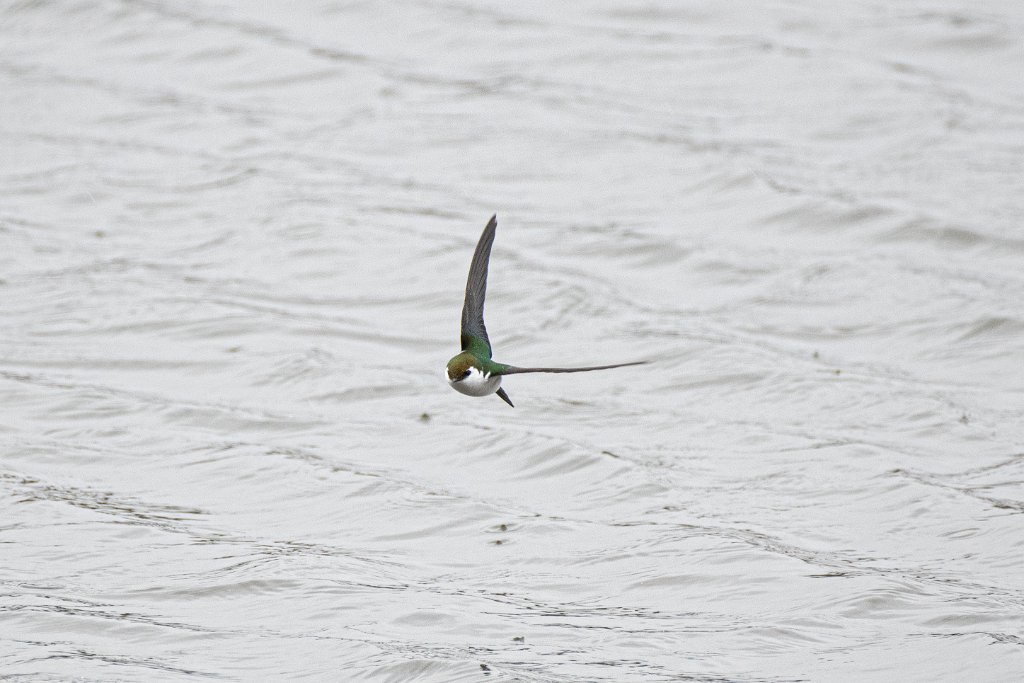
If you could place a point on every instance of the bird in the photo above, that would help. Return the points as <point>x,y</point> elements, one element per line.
<point>472,371</point>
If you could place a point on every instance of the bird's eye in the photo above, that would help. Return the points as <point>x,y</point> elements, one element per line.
<point>466,374</point>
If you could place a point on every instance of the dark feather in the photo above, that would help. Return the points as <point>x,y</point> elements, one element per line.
<point>504,397</point>
<point>476,290</point>
<point>513,370</point>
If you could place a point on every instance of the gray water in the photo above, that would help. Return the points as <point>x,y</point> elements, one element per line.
<point>233,243</point>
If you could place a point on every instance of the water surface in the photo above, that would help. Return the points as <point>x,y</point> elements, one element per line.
<point>234,242</point>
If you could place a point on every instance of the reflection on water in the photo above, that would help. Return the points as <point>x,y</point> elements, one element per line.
<point>234,245</point>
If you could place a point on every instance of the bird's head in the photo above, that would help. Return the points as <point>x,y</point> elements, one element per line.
<point>461,366</point>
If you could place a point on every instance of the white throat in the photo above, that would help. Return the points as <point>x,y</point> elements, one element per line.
<point>476,383</point>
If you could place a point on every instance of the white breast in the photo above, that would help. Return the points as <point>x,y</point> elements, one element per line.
<point>476,384</point>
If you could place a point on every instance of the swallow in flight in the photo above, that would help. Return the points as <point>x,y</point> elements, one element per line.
<point>472,372</point>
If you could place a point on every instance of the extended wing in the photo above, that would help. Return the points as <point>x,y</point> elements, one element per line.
<point>513,370</point>
<point>474,334</point>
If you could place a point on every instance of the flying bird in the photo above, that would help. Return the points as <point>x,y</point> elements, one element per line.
<point>472,372</point>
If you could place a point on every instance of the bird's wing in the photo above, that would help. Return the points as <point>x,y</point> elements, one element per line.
<point>473,330</point>
<point>513,370</point>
